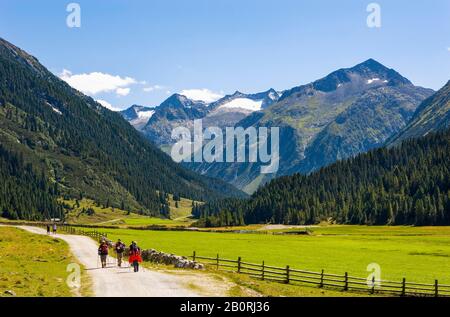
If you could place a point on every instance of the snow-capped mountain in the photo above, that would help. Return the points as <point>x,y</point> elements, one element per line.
<point>350,111</point>
<point>178,110</point>
<point>138,116</point>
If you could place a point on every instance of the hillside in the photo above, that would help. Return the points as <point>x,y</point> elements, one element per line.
<point>432,115</point>
<point>83,148</point>
<point>24,194</point>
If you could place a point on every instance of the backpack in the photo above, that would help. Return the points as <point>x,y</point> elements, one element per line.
<point>103,249</point>
<point>120,247</point>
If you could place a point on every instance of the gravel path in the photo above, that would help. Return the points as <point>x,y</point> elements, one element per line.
<point>123,282</point>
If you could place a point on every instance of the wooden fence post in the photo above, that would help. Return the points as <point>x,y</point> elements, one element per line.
<point>193,256</point>
<point>436,288</point>
<point>346,282</point>
<point>239,265</point>
<point>262,272</point>
<point>373,284</point>
<point>217,261</point>
<point>287,275</point>
<point>321,279</point>
<point>404,287</point>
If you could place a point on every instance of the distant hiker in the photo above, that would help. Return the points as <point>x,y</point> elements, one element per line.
<point>103,252</point>
<point>54,228</point>
<point>135,256</point>
<point>48,229</point>
<point>120,248</point>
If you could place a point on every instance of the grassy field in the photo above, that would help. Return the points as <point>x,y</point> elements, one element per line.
<point>115,217</point>
<point>418,254</point>
<point>33,265</point>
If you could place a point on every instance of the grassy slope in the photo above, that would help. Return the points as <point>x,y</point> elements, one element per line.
<point>109,216</point>
<point>34,265</point>
<point>419,254</point>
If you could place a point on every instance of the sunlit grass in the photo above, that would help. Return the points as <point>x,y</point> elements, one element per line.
<point>418,254</point>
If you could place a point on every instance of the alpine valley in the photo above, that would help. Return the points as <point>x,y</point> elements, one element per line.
<point>348,112</point>
<point>56,142</point>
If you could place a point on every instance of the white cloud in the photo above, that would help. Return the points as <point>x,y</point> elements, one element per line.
<point>107,105</point>
<point>153,88</point>
<point>123,91</point>
<point>204,94</point>
<point>97,82</point>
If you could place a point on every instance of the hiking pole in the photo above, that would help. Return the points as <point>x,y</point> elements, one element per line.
<point>98,257</point>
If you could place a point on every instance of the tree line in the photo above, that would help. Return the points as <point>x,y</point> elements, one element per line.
<point>404,185</point>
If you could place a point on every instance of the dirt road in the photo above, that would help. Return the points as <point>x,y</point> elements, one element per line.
<point>123,282</point>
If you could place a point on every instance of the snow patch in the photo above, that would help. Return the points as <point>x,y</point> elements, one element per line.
<point>146,114</point>
<point>54,108</point>
<point>243,103</point>
<point>372,80</point>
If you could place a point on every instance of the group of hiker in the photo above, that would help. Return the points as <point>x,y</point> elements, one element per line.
<point>49,228</point>
<point>134,256</point>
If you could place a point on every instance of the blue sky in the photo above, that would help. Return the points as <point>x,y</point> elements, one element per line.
<point>141,51</point>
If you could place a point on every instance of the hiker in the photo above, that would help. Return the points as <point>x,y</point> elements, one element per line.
<point>103,250</point>
<point>120,248</point>
<point>54,228</point>
<point>135,256</point>
<point>48,229</point>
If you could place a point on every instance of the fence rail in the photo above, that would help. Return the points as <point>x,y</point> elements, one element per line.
<point>321,279</point>
<point>77,231</point>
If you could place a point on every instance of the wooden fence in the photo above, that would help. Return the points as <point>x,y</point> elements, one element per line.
<point>344,282</point>
<point>96,235</point>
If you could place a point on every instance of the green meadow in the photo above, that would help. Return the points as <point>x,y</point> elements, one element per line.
<point>420,254</point>
<point>108,216</point>
<point>34,265</point>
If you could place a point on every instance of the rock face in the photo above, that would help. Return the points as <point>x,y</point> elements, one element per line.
<point>169,259</point>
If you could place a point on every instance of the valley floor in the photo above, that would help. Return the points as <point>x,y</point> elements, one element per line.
<point>419,254</point>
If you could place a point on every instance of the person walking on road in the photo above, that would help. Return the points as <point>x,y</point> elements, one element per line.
<point>120,248</point>
<point>103,251</point>
<point>48,228</point>
<point>135,256</point>
<point>54,228</point>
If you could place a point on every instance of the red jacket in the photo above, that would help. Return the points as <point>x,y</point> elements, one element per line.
<point>135,255</point>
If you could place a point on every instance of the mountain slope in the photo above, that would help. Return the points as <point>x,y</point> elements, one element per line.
<point>24,194</point>
<point>408,184</point>
<point>432,115</point>
<point>345,113</point>
<point>366,124</point>
<point>83,147</point>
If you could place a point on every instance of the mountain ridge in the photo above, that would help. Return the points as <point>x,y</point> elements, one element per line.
<point>305,114</point>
